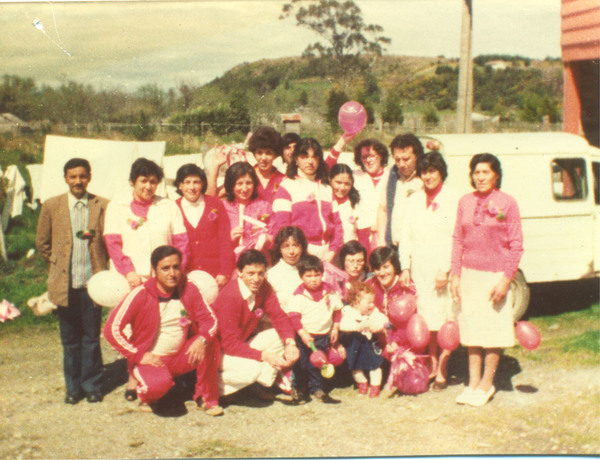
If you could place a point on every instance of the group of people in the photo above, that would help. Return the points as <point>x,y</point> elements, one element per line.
<point>307,253</point>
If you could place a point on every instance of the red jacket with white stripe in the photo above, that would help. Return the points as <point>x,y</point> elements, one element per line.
<point>140,310</point>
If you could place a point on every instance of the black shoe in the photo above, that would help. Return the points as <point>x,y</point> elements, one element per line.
<point>72,399</point>
<point>323,397</point>
<point>94,397</point>
<point>130,395</point>
<point>298,397</point>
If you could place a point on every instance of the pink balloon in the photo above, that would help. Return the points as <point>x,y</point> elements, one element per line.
<point>413,380</point>
<point>401,308</point>
<point>528,335</point>
<point>352,117</point>
<point>318,358</point>
<point>334,357</point>
<point>417,331</point>
<point>399,336</point>
<point>448,337</point>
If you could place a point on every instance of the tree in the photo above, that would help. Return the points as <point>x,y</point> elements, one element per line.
<point>341,27</point>
<point>392,109</point>
<point>335,100</point>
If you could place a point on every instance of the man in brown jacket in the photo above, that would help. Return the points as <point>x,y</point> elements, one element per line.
<point>70,238</point>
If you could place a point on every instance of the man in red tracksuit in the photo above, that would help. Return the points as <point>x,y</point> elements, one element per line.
<point>172,333</point>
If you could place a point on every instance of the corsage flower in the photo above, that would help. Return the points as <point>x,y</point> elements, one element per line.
<point>259,313</point>
<point>310,198</point>
<point>136,223</point>
<point>212,215</point>
<point>352,219</point>
<point>495,212</point>
<point>435,206</point>
<point>86,234</point>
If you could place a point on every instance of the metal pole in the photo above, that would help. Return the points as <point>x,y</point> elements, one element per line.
<point>464,105</point>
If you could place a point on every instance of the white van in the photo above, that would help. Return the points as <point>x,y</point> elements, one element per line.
<point>554,178</point>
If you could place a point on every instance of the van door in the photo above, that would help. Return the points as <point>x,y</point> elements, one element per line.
<point>596,174</point>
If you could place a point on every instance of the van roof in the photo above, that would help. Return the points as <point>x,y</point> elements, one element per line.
<point>509,143</point>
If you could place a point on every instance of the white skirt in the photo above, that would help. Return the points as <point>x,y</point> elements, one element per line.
<point>482,323</point>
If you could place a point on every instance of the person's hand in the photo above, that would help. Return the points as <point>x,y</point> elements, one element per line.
<point>500,290</point>
<point>455,288</point>
<point>390,348</point>
<point>405,278</point>
<point>150,359</point>
<point>220,156</point>
<point>236,233</point>
<point>291,353</point>
<point>305,337</point>
<point>196,351</point>
<point>221,280</point>
<point>441,280</point>
<point>335,334</point>
<point>341,351</point>
<point>347,137</point>
<point>134,279</point>
<point>274,360</point>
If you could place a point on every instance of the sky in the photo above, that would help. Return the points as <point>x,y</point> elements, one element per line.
<point>128,44</point>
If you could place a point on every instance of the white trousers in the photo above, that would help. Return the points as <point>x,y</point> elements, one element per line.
<point>236,373</point>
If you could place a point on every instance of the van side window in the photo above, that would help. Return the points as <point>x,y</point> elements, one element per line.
<point>596,171</point>
<point>569,181</point>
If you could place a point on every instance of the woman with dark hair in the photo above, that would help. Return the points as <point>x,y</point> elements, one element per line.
<point>289,141</point>
<point>266,145</point>
<point>137,225</point>
<point>426,243</point>
<point>370,179</point>
<point>350,266</point>
<point>385,265</point>
<point>248,215</point>
<point>347,198</point>
<point>486,251</point>
<point>305,199</point>
<point>288,247</point>
<point>207,225</point>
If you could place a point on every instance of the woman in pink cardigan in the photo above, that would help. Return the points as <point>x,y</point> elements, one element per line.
<point>486,250</point>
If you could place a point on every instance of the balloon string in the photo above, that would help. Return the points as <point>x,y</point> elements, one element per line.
<point>55,26</point>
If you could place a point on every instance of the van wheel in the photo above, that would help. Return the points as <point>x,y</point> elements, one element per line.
<point>520,291</point>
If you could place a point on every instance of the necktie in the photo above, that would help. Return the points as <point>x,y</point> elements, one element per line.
<point>79,247</point>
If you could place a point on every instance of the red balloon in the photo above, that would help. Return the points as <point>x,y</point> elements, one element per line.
<point>334,357</point>
<point>318,358</point>
<point>401,308</point>
<point>399,336</point>
<point>448,337</point>
<point>413,380</point>
<point>352,117</point>
<point>528,335</point>
<point>417,331</point>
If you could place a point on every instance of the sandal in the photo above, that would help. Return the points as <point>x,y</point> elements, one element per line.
<point>130,395</point>
<point>439,386</point>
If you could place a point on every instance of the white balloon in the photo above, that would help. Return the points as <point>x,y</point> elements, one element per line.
<point>206,283</point>
<point>107,288</point>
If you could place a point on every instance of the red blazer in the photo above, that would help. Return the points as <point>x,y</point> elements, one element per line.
<point>210,244</point>
<point>140,309</point>
<point>237,322</point>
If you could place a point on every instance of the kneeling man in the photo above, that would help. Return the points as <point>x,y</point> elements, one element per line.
<point>253,350</point>
<point>172,333</point>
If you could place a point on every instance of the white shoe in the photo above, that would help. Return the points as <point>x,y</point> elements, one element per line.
<point>465,396</point>
<point>480,398</point>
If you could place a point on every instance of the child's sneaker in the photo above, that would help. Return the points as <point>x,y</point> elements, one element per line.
<point>363,388</point>
<point>374,391</point>
<point>298,397</point>
<point>323,397</point>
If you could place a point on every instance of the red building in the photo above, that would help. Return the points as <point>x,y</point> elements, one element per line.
<point>580,43</point>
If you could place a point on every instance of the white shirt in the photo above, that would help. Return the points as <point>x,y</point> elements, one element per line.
<point>193,210</point>
<point>171,333</point>
<point>247,294</point>
<point>404,189</point>
<point>285,280</point>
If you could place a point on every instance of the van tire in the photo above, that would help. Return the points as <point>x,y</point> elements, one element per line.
<point>520,291</point>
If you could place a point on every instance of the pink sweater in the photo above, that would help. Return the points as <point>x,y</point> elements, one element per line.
<point>487,235</point>
<point>268,193</point>
<point>310,206</point>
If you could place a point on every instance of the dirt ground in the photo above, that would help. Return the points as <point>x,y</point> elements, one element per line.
<point>537,410</point>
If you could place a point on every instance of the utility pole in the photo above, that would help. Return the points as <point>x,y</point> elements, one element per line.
<point>464,104</point>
